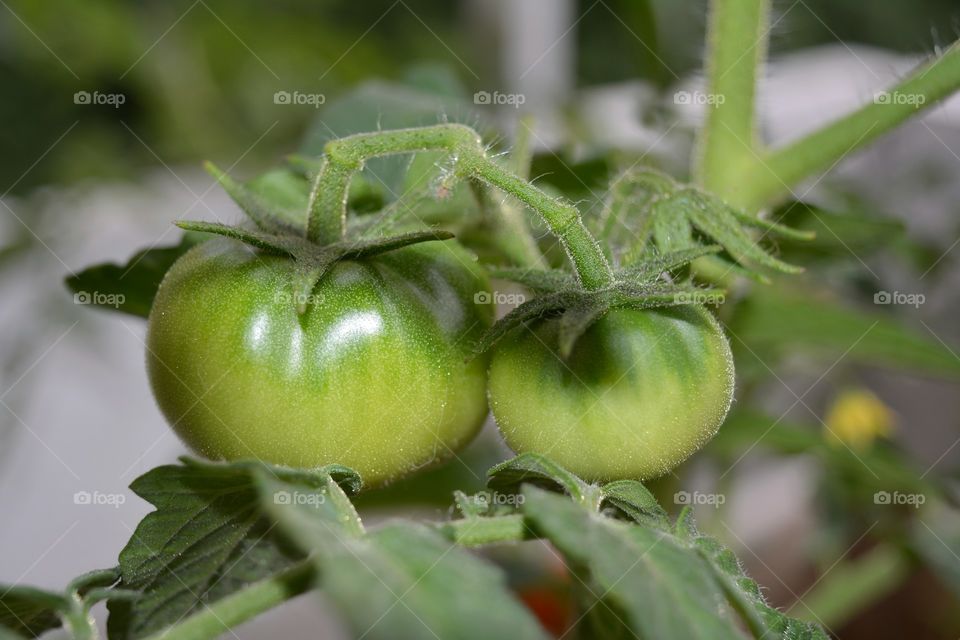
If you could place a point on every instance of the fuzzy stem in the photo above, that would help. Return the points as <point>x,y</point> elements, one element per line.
<point>221,616</point>
<point>737,45</point>
<point>346,156</point>
<point>327,217</point>
<point>474,532</point>
<point>782,169</point>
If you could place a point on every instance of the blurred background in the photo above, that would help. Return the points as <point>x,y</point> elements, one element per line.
<point>112,106</point>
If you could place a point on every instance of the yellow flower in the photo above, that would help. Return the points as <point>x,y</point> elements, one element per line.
<point>857,418</point>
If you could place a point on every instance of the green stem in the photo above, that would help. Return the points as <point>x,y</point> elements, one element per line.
<point>477,531</point>
<point>782,169</point>
<point>221,616</point>
<point>346,156</point>
<point>327,221</point>
<point>737,45</point>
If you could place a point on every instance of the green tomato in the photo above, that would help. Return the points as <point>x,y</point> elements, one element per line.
<point>640,392</point>
<point>374,375</point>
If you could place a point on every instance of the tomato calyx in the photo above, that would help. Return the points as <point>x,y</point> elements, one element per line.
<point>643,285</point>
<point>312,259</point>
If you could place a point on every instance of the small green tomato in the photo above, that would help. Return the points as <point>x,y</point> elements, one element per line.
<point>641,391</point>
<point>373,375</point>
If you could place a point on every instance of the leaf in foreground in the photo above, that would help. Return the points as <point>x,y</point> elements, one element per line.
<point>207,539</point>
<point>404,580</point>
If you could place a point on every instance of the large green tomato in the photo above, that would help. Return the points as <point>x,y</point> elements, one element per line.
<point>374,375</point>
<point>641,391</point>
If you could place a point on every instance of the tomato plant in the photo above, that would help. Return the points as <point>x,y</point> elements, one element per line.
<point>342,339</point>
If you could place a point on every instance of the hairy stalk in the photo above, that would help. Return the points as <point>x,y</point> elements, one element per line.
<point>221,616</point>
<point>737,45</point>
<point>346,156</point>
<point>780,170</point>
<point>475,532</point>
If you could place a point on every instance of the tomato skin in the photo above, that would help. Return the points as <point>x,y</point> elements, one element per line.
<point>373,375</point>
<point>641,391</point>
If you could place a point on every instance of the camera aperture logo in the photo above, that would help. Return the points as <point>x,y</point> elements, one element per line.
<point>914,500</point>
<point>97,98</point>
<point>299,498</point>
<point>900,298</point>
<point>497,98</point>
<point>299,98</point>
<point>99,298</point>
<point>95,498</point>
<point>685,498</point>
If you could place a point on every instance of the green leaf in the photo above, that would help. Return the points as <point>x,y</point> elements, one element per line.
<point>645,578</point>
<point>625,222</point>
<point>207,539</point>
<point>652,267</point>
<point>29,612</point>
<point>657,586</point>
<point>635,501</point>
<point>533,468</point>
<point>131,287</point>
<point>539,280</point>
<point>402,581</point>
<point>720,223</point>
<point>776,323</point>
